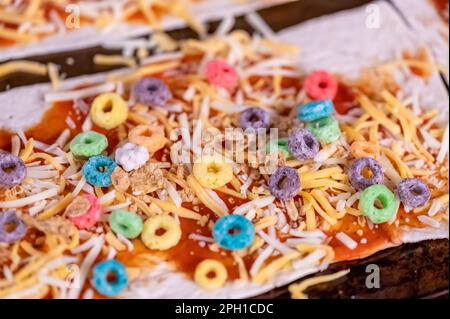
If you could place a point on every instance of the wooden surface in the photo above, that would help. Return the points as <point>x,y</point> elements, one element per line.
<point>410,271</point>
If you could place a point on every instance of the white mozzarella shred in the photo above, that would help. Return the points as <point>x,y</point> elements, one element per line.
<point>157,58</point>
<point>79,94</point>
<point>24,294</point>
<point>201,238</point>
<point>185,132</point>
<point>52,281</point>
<point>41,174</point>
<point>390,170</point>
<point>86,266</point>
<point>57,21</point>
<point>204,109</point>
<point>30,199</point>
<point>275,243</point>
<point>15,145</point>
<point>258,23</point>
<point>444,146</point>
<point>256,203</point>
<point>111,253</point>
<point>325,153</point>
<point>21,135</point>
<point>229,108</point>
<point>108,197</point>
<point>352,199</point>
<point>70,123</point>
<point>33,211</point>
<point>416,163</point>
<point>218,200</point>
<point>307,234</point>
<point>430,141</point>
<point>79,187</point>
<point>7,273</point>
<point>61,141</point>
<point>436,206</point>
<point>429,221</point>
<point>340,206</point>
<point>112,208</point>
<point>251,214</point>
<point>311,260</point>
<point>85,246</point>
<point>196,138</point>
<point>342,196</point>
<point>246,185</point>
<point>126,242</point>
<point>87,124</point>
<point>259,261</point>
<point>189,93</point>
<point>225,26</point>
<point>346,240</point>
<point>293,242</point>
<point>176,198</point>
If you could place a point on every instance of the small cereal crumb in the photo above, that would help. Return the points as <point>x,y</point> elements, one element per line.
<point>147,179</point>
<point>360,232</point>
<point>363,241</point>
<point>120,180</point>
<point>78,207</point>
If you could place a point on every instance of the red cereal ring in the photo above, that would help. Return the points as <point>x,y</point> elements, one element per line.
<point>221,74</point>
<point>83,219</point>
<point>321,85</point>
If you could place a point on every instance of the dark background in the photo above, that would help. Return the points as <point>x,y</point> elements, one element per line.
<point>410,271</point>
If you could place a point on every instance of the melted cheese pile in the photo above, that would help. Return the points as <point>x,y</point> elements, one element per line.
<point>296,235</point>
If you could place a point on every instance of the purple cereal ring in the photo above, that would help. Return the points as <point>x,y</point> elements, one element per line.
<point>356,173</point>
<point>284,184</point>
<point>303,144</point>
<point>413,192</point>
<point>12,170</point>
<point>152,92</point>
<point>254,118</point>
<point>12,228</point>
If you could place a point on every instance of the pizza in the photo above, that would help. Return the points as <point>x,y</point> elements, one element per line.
<point>39,27</point>
<point>222,169</point>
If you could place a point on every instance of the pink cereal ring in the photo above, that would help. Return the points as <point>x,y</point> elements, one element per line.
<point>91,217</point>
<point>321,85</point>
<point>221,74</point>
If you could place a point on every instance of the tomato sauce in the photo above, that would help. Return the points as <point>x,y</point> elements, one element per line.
<point>52,124</point>
<point>345,99</point>
<point>442,7</point>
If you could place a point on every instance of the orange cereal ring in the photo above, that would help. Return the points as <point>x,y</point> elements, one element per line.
<point>151,137</point>
<point>364,149</point>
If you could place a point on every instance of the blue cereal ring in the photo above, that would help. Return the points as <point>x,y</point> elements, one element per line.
<point>315,110</point>
<point>102,274</point>
<point>234,232</point>
<point>98,169</point>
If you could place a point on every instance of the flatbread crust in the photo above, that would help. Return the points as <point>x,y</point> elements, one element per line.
<point>91,36</point>
<point>424,18</point>
<point>163,281</point>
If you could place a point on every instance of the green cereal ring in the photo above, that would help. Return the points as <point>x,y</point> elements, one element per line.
<point>385,197</point>
<point>325,129</point>
<point>127,224</point>
<point>88,144</point>
<point>280,145</point>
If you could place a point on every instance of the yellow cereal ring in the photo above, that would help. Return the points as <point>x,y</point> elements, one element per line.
<point>109,110</point>
<point>364,149</point>
<point>169,238</point>
<point>213,172</point>
<point>151,137</point>
<point>210,274</point>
